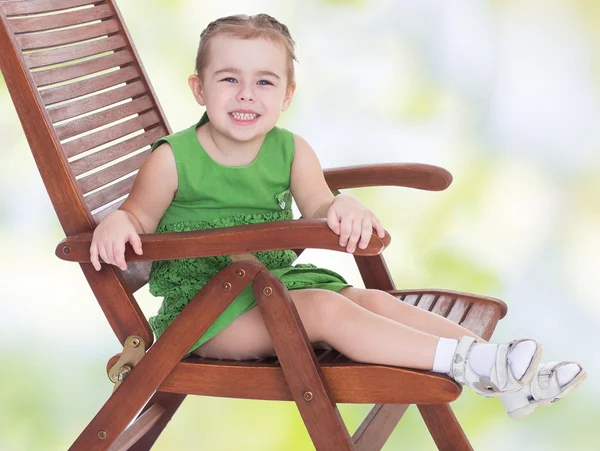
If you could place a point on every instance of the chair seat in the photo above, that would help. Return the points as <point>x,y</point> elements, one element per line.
<point>348,381</point>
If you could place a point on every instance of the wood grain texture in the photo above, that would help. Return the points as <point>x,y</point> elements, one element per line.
<point>410,175</point>
<point>302,373</point>
<point>444,428</point>
<point>20,7</point>
<point>137,388</point>
<point>57,38</point>
<point>307,233</point>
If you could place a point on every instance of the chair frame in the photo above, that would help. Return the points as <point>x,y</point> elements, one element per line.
<point>153,379</point>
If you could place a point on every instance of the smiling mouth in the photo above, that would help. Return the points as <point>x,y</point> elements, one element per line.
<point>244,116</point>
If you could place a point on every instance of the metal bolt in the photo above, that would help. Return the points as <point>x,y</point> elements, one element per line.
<point>122,372</point>
<point>308,396</point>
<point>240,273</point>
<point>267,291</point>
<point>66,250</point>
<point>226,286</point>
<point>101,435</point>
<point>135,342</point>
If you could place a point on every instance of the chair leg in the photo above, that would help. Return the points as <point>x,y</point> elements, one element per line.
<point>444,427</point>
<point>170,402</point>
<point>377,427</point>
<point>301,369</point>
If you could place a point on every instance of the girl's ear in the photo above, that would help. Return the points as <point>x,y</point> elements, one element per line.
<point>289,94</point>
<point>197,89</point>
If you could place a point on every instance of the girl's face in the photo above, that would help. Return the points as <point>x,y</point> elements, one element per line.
<point>244,86</point>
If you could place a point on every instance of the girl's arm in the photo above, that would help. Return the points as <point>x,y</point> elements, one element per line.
<point>345,215</point>
<point>153,190</point>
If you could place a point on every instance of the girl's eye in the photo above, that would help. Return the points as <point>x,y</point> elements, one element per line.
<point>264,82</point>
<point>230,79</point>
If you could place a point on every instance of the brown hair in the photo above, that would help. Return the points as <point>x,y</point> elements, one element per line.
<point>248,27</point>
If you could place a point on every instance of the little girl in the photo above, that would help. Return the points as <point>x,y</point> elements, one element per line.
<point>236,167</point>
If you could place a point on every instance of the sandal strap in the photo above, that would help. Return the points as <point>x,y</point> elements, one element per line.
<point>501,369</point>
<point>461,358</point>
<point>545,384</point>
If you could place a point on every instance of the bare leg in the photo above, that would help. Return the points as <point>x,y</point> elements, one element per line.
<point>330,317</point>
<point>386,305</point>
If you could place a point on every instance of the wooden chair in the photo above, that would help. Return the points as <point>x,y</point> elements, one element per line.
<point>90,114</point>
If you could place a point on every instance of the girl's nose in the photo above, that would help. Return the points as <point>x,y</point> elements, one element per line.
<point>245,94</point>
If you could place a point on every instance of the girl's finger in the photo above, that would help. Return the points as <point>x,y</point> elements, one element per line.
<point>94,256</point>
<point>378,227</point>
<point>345,230</point>
<point>102,252</point>
<point>136,243</point>
<point>367,230</point>
<point>333,221</point>
<point>355,235</point>
<point>119,253</point>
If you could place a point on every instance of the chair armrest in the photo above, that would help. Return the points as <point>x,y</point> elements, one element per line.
<point>411,175</point>
<point>269,236</point>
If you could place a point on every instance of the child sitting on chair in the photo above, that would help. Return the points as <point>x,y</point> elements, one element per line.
<point>236,167</point>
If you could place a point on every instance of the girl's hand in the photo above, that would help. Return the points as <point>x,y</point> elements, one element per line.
<point>109,240</point>
<point>352,221</point>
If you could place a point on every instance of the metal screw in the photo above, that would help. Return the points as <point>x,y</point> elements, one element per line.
<point>66,250</point>
<point>101,435</point>
<point>135,342</point>
<point>226,286</point>
<point>308,396</point>
<point>267,291</point>
<point>240,273</point>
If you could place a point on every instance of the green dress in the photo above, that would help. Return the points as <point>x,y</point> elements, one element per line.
<point>211,195</point>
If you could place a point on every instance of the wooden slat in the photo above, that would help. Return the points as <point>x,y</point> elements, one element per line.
<point>412,299</point>
<point>116,151</point>
<point>100,215</point>
<point>69,36</point>
<point>20,7</point>
<point>64,73</point>
<point>74,52</point>
<point>66,19</point>
<point>427,301</point>
<point>88,104</point>
<point>83,87</point>
<point>107,195</point>
<point>88,142</point>
<point>482,319</point>
<point>459,310</point>
<point>443,305</point>
<point>112,173</point>
<point>97,120</point>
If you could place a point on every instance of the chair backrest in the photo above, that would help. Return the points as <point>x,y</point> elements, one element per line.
<point>88,110</point>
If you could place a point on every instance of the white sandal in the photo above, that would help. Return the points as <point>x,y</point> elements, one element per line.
<point>543,390</point>
<point>502,379</point>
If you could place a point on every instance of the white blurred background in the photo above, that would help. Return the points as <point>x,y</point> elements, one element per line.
<point>503,94</point>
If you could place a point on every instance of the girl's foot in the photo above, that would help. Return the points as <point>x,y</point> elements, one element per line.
<point>551,382</point>
<point>494,369</point>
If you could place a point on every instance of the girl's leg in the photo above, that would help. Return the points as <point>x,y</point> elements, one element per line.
<point>330,317</point>
<point>384,304</point>
<point>364,336</point>
<point>567,376</point>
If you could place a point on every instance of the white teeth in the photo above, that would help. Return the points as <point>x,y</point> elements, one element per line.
<point>244,116</point>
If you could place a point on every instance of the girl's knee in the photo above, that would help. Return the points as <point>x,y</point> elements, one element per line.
<point>317,309</point>
<point>376,301</point>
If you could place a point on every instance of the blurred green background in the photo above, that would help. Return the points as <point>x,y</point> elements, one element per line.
<point>505,94</point>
